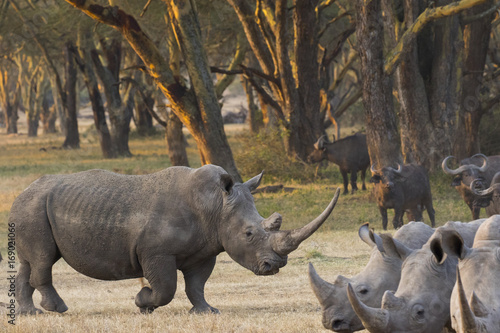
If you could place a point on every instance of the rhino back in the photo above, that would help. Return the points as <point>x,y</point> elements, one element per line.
<point>414,234</point>
<point>102,222</point>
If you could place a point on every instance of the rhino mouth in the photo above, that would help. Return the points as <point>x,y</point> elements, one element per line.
<point>338,325</point>
<point>270,267</point>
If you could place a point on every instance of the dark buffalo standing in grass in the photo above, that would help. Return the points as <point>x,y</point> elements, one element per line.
<point>479,168</point>
<point>114,227</point>
<point>489,198</point>
<point>350,154</point>
<point>403,189</point>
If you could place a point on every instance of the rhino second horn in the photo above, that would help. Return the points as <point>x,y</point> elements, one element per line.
<point>467,316</point>
<point>320,287</point>
<point>284,242</point>
<point>374,320</point>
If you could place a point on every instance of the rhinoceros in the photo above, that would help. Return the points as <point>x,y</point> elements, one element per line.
<point>421,303</point>
<point>113,227</point>
<point>475,300</point>
<point>381,273</point>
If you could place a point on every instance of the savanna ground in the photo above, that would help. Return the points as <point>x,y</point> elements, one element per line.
<point>248,303</point>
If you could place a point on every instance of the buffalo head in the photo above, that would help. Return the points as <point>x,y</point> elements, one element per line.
<point>386,177</point>
<point>252,241</point>
<point>319,153</point>
<point>468,170</point>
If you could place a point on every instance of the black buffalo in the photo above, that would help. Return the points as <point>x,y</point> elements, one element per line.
<point>406,188</point>
<point>478,168</point>
<point>350,154</point>
<point>489,198</point>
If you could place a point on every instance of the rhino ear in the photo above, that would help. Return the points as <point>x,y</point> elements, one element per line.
<point>438,251</point>
<point>453,244</point>
<point>253,183</point>
<point>367,235</point>
<point>477,307</point>
<point>393,247</point>
<point>226,182</point>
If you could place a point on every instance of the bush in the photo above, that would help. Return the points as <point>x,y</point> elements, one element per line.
<point>266,151</point>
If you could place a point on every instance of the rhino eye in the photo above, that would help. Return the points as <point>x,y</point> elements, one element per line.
<point>363,291</point>
<point>249,234</point>
<point>418,312</point>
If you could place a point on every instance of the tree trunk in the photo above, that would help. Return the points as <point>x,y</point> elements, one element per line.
<point>381,130</point>
<point>48,115</point>
<point>176,141</point>
<point>143,119</point>
<point>72,140</point>
<point>197,107</point>
<point>254,114</point>
<point>85,64</point>
<point>476,38</point>
<point>119,108</point>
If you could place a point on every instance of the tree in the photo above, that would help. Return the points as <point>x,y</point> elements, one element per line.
<point>197,106</point>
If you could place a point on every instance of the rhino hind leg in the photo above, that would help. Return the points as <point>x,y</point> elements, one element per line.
<point>41,280</point>
<point>161,273</point>
<point>195,279</point>
<point>25,291</point>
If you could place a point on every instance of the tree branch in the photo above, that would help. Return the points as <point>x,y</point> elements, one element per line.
<point>469,19</point>
<point>430,14</point>
<point>350,101</point>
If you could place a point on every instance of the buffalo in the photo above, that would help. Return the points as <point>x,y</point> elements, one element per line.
<point>489,198</point>
<point>114,227</point>
<point>349,153</point>
<point>406,188</point>
<point>479,168</point>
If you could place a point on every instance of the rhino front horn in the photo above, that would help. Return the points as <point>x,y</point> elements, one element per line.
<point>374,320</point>
<point>468,317</point>
<point>284,242</point>
<point>320,287</point>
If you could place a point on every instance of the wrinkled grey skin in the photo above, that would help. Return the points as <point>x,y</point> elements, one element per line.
<point>113,227</point>
<point>489,198</point>
<point>479,168</point>
<point>404,189</point>
<point>349,153</point>
<point>475,300</point>
<point>421,303</point>
<point>380,274</point>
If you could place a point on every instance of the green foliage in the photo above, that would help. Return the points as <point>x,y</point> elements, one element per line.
<point>266,151</point>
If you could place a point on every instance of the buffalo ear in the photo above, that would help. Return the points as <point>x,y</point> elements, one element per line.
<point>254,182</point>
<point>375,179</point>
<point>457,181</point>
<point>226,182</point>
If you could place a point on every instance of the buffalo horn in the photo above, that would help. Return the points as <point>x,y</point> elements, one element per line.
<point>286,241</point>
<point>478,192</point>
<point>468,317</point>
<point>373,170</point>
<point>373,319</point>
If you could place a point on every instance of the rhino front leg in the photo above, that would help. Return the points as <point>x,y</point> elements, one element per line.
<point>161,273</point>
<point>195,279</point>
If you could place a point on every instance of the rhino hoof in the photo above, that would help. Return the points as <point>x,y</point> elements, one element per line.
<point>52,306</point>
<point>27,312</point>
<point>147,310</point>
<point>208,309</point>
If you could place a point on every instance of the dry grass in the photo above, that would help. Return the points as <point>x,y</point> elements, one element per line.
<point>248,303</point>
